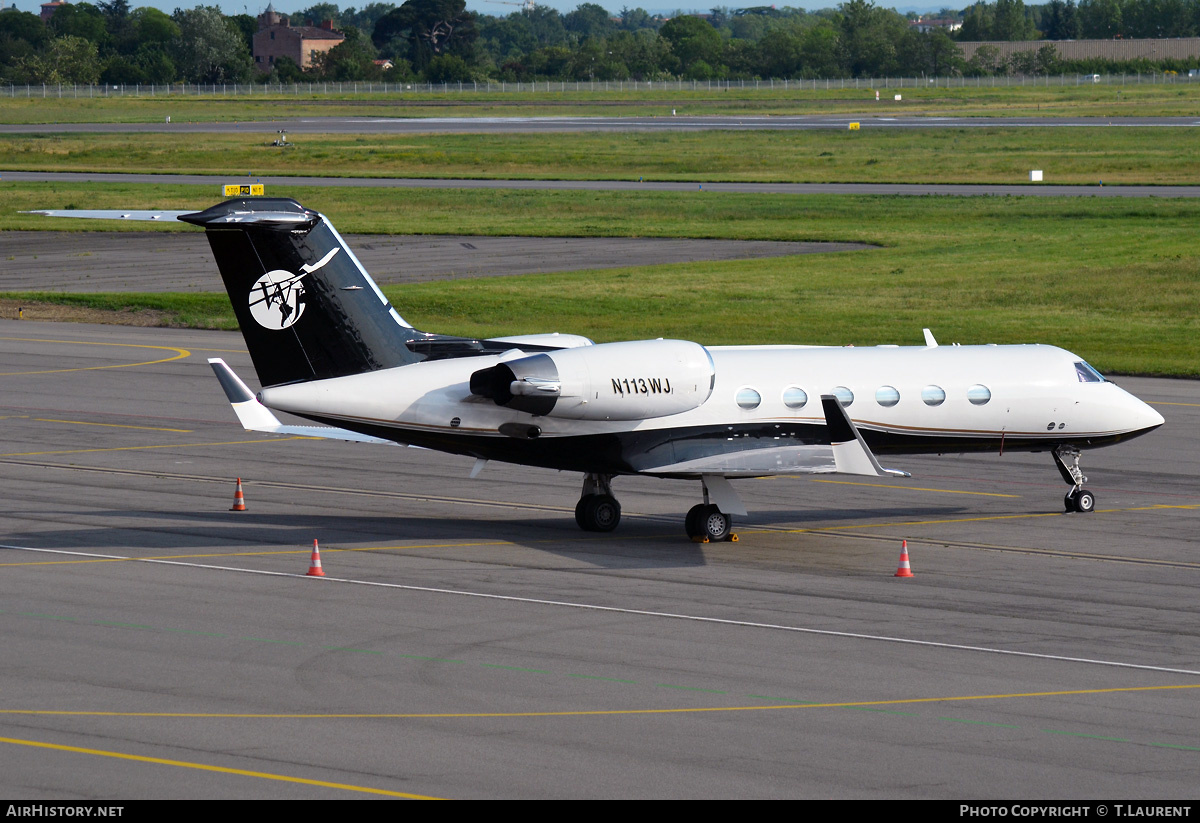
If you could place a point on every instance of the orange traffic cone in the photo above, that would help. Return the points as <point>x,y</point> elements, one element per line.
<point>904,570</point>
<point>239,500</point>
<point>314,565</point>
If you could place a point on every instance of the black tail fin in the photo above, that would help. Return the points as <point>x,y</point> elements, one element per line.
<point>306,306</point>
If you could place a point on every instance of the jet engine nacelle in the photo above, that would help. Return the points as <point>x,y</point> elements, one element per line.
<point>610,381</point>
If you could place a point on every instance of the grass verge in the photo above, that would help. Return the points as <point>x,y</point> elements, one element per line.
<point>1131,95</point>
<point>1157,156</point>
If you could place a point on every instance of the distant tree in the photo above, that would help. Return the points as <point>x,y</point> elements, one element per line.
<point>1060,20</point>
<point>636,19</point>
<point>431,28</point>
<point>154,27</point>
<point>210,49</point>
<point>284,70</point>
<point>318,13</point>
<point>366,18</point>
<point>66,59</point>
<point>819,52</point>
<point>588,20</point>
<point>80,20</point>
<point>1010,23</point>
<point>1100,19</point>
<point>448,68</point>
<point>945,57</point>
<point>247,25</point>
<point>351,59</point>
<point>21,25</point>
<point>691,39</point>
<point>986,60</point>
<point>978,23</point>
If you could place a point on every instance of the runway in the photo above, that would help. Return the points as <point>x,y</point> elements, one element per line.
<point>469,641</point>
<point>543,125</point>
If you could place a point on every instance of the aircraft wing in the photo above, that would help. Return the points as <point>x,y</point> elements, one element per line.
<point>254,416</point>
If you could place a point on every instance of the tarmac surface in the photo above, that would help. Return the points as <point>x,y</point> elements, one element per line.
<point>469,641</point>
<point>183,261</point>
<point>540,125</point>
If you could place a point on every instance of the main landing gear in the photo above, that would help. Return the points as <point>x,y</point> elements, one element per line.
<point>1078,499</point>
<point>706,523</point>
<point>597,509</point>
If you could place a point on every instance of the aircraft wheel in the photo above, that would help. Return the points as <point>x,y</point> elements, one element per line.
<point>716,524</point>
<point>581,511</point>
<point>695,518</point>
<point>1069,501</point>
<point>601,513</point>
<point>1085,501</point>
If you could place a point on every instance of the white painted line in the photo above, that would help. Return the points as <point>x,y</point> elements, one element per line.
<point>617,610</point>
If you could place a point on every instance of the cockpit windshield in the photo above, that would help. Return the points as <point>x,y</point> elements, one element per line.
<point>1087,374</point>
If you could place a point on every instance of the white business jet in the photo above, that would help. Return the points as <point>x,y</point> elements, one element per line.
<point>328,346</point>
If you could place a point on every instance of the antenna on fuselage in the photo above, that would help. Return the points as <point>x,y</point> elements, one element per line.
<point>929,341</point>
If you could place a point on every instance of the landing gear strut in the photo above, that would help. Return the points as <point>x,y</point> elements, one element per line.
<point>706,523</point>
<point>597,509</point>
<point>1078,499</point>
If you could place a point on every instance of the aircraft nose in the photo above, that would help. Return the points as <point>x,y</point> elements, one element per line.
<point>1143,417</point>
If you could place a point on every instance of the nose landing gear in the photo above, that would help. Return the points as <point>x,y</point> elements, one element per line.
<point>1078,499</point>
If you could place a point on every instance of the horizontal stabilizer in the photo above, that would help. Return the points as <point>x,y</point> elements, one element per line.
<point>254,416</point>
<point>850,452</point>
<point>159,215</point>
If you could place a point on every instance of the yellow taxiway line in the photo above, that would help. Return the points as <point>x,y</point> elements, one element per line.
<point>184,764</point>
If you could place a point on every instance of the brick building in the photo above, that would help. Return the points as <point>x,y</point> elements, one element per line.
<point>276,38</point>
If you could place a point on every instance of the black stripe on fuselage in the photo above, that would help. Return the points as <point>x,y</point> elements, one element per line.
<point>630,452</point>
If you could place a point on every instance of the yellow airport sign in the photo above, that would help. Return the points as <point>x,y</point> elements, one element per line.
<point>854,127</point>
<point>242,190</point>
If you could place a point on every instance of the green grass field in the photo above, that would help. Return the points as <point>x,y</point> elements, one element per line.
<point>1150,97</point>
<point>1160,156</point>
<point>1115,280</point>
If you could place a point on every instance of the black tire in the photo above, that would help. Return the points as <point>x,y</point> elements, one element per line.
<point>602,513</point>
<point>692,524</point>
<point>581,512</point>
<point>716,525</point>
<point>1085,501</point>
<point>1069,501</point>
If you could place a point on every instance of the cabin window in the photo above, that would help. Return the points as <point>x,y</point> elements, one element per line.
<point>844,396</point>
<point>748,398</point>
<point>933,395</point>
<point>794,397</point>
<point>887,396</point>
<point>979,395</point>
<point>1087,374</point>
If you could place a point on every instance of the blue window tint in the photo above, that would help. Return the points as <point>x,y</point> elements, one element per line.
<point>887,396</point>
<point>794,397</point>
<point>748,398</point>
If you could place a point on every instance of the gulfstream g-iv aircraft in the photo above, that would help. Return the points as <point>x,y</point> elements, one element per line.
<point>328,346</point>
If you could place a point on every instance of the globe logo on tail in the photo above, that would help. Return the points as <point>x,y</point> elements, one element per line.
<point>276,299</point>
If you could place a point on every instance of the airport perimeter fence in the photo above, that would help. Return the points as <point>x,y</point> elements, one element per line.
<point>47,90</point>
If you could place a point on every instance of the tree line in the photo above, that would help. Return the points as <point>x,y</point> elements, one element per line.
<point>440,41</point>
